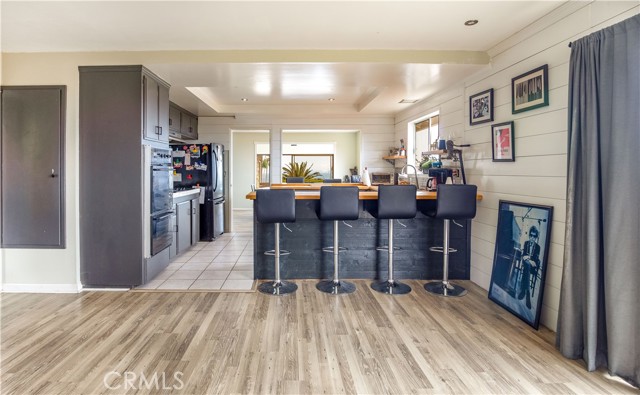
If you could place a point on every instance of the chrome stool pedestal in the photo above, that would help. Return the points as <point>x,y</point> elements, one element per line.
<point>337,203</point>
<point>277,287</point>
<point>452,202</point>
<point>276,206</point>
<point>394,202</point>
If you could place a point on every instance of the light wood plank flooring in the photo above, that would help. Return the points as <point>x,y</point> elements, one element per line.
<point>308,342</point>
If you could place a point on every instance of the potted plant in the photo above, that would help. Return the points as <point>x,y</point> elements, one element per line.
<point>301,169</point>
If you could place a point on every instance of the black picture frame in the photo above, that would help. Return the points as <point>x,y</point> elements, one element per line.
<point>530,90</point>
<point>481,107</point>
<point>503,142</point>
<point>520,259</point>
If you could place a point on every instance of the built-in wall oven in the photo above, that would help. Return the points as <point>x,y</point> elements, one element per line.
<point>161,203</point>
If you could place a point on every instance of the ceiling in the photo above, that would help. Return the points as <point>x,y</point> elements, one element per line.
<point>283,57</point>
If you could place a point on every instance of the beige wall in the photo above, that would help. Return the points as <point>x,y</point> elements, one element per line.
<point>538,174</point>
<point>374,137</point>
<point>244,155</point>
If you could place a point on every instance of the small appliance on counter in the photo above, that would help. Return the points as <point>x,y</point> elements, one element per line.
<point>382,178</point>
<point>200,165</point>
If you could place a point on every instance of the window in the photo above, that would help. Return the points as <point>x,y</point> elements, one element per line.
<point>426,133</point>
<point>321,163</point>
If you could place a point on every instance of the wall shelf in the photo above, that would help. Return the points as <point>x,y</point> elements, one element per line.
<point>392,158</point>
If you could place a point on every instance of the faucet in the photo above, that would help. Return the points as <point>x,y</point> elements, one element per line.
<point>404,168</point>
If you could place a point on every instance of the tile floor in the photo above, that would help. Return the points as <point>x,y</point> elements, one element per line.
<point>224,264</point>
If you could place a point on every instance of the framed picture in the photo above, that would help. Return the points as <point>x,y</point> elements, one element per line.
<point>530,90</point>
<point>502,142</point>
<point>481,107</point>
<point>520,259</point>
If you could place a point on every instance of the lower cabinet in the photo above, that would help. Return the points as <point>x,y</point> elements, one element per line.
<point>195,221</point>
<point>186,229</point>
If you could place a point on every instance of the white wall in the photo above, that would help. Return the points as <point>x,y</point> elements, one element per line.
<point>538,174</point>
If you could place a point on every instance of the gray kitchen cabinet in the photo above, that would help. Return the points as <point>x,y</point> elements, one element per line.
<point>195,221</point>
<point>183,220</point>
<point>174,119</point>
<point>32,172</point>
<point>156,109</point>
<point>183,124</point>
<point>117,104</point>
<point>174,234</point>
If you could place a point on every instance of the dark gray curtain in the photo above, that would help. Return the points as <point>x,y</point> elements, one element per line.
<point>599,316</point>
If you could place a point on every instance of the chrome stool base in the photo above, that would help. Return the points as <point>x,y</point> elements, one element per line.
<point>391,288</point>
<point>336,287</point>
<point>277,288</point>
<point>441,288</point>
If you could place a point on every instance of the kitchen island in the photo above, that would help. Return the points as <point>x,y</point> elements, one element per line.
<point>361,260</point>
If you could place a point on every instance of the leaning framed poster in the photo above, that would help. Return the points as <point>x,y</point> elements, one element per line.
<point>530,90</point>
<point>520,259</point>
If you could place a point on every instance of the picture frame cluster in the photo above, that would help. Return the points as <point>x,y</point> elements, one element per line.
<point>529,91</point>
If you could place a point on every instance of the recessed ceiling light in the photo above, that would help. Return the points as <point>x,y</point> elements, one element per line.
<point>244,99</point>
<point>332,99</point>
<point>408,101</point>
<point>471,22</point>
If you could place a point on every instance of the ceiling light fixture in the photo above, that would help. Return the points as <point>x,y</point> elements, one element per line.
<point>471,22</point>
<point>244,99</point>
<point>332,99</point>
<point>408,101</point>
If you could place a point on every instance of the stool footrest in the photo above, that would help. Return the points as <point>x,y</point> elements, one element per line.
<point>386,248</point>
<point>441,249</point>
<point>273,252</point>
<point>330,249</point>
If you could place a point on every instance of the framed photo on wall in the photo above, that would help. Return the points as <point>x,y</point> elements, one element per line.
<point>502,142</point>
<point>520,259</point>
<point>530,90</point>
<point>481,107</point>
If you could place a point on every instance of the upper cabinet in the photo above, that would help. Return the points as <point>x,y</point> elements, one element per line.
<point>182,123</point>
<point>156,109</point>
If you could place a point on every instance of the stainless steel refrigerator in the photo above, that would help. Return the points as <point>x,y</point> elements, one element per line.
<point>200,165</point>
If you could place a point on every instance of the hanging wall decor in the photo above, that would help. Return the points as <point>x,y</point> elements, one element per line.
<point>481,107</point>
<point>530,90</point>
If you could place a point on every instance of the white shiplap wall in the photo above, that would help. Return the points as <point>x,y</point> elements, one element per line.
<point>538,174</point>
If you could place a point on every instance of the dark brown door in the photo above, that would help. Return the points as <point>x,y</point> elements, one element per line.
<point>32,180</point>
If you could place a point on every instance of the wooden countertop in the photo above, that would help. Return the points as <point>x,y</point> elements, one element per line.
<point>312,191</point>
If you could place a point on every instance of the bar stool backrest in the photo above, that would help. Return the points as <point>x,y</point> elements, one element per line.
<point>456,201</point>
<point>396,202</point>
<point>275,206</point>
<point>331,181</point>
<point>295,180</point>
<point>339,203</point>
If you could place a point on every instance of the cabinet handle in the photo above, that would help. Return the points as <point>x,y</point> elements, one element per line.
<point>53,173</point>
<point>160,127</point>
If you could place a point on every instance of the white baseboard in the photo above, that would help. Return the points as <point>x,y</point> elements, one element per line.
<point>242,209</point>
<point>42,288</point>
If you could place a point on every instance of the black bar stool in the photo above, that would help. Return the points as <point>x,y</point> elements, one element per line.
<point>275,206</point>
<point>337,204</point>
<point>452,202</point>
<point>394,202</point>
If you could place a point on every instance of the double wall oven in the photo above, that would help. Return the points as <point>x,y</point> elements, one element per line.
<point>161,203</point>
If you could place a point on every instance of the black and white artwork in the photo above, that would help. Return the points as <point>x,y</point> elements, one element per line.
<point>481,107</point>
<point>520,259</point>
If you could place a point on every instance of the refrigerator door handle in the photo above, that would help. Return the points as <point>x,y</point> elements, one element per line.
<point>214,170</point>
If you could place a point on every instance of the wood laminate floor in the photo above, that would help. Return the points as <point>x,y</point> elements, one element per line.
<point>308,342</point>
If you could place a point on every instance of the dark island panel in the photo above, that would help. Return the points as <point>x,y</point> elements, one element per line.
<point>309,235</point>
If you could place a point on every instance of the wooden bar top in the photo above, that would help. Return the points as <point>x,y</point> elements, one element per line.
<point>311,191</point>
